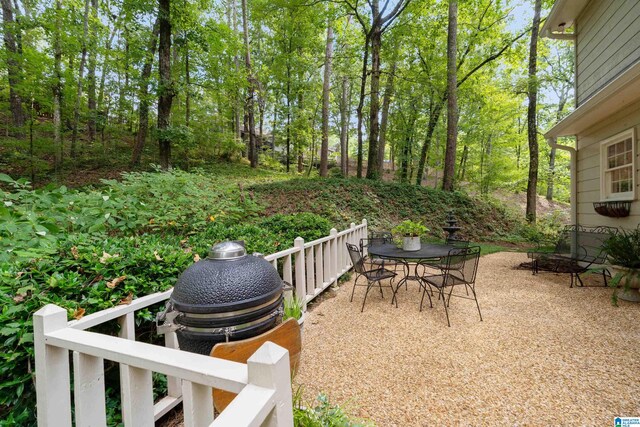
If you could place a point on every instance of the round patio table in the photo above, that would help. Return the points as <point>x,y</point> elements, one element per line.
<point>427,251</point>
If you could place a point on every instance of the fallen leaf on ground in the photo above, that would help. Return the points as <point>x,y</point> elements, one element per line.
<point>78,314</point>
<point>95,279</point>
<point>187,250</point>
<point>18,298</point>
<point>196,258</point>
<point>126,300</point>
<point>112,284</point>
<point>105,257</point>
<point>74,252</point>
<point>158,257</point>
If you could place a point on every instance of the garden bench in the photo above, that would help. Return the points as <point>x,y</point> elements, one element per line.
<point>578,250</point>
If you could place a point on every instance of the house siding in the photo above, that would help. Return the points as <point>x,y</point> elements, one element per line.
<point>588,168</point>
<point>608,42</point>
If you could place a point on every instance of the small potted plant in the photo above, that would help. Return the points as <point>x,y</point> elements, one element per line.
<point>411,232</point>
<point>293,310</point>
<point>623,251</point>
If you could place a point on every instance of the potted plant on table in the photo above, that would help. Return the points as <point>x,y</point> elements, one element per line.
<point>623,252</point>
<point>411,232</point>
<point>293,310</point>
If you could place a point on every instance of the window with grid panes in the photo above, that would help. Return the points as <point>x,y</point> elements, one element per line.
<point>617,181</point>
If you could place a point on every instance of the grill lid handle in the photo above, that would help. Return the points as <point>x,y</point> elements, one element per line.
<point>228,250</point>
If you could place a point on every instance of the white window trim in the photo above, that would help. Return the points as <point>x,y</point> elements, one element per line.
<point>629,195</point>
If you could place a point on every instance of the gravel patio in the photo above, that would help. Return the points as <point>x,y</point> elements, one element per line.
<point>544,355</point>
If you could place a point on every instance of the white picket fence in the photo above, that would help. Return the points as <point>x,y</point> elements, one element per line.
<point>263,383</point>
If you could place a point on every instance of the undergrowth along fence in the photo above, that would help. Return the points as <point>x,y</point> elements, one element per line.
<point>263,383</point>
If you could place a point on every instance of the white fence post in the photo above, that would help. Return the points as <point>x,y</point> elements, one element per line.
<point>334,254</point>
<point>137,386</point>
<point>269,367</point>
<point>301,285</point>
<point>197,404</point>
<point>53,386</point>
<point>88,390</point>
<point>310,271</point>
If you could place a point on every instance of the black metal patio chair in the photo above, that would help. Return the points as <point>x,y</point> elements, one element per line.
<point>460,268</point>
<point>378,238</point>
<point>374,275</point>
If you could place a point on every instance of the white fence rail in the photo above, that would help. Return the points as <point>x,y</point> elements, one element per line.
<point>263,383</point>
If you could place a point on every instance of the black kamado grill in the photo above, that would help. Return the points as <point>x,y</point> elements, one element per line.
<point>227,296</point>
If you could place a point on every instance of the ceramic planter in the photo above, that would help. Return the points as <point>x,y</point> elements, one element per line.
<point>411,243</point>
<point>628,288</point>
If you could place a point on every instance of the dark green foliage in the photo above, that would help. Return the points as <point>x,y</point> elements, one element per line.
<point>65,247</point>
<point>385,204</point>
<point>623,248</point>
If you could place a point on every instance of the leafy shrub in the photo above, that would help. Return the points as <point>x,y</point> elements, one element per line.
<point>306,225</point>
<point>324,414</point>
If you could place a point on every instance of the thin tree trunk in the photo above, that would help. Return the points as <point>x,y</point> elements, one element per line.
<point>532,127</point>
<point>374,100</point>
<point>463,163</point>
<point>143,110</point>
<point>91,77</point>
<point>83,61</point>
<point>344,126</point>
<point>288,118</point>
<point>124,89</point>
<point>326,88</point>
<point>11,35</point>
<point>253,154</point>
<point>363,85</point>
<point>57,90</point>
<point>436,110</point>
<point>452,99</point>
<point>386,103</point>
<point>187,76</point>
<point>552,154</point>
<point>166,90</point>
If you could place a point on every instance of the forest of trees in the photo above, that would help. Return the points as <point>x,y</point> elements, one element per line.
<point>431,92</point>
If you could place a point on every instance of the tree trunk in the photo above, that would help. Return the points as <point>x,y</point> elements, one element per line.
<point>363,85</point>
<point>326,88</point>
<point>57,90</point>
<point>91,76</point>
<point>386,103</point>
<point>374,101</point>
<point>344,127</point>
<point>253,153</point>
<point>143,110</point>
<point>288,118</point>
<point>434,116</point>
<point>532,128</point>
<point>452,99</point>
<point>552,153</point>
<point>463,163</point>
<point>83,61</point>
<point>11,33</point>
<point>187,76</point>
<point>165,89</point>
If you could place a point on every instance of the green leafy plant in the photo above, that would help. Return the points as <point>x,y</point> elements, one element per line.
<point>409,228</point>
<point>623,249</point>
<point>292,308</point>
<point>323,414</point>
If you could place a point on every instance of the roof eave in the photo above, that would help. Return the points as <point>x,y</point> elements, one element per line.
<point>562,17</point>
<point>620,93</point>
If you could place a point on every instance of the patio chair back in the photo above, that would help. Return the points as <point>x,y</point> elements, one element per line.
<point>356,258</point>
<point>462,264</point>
<point>590,241</point>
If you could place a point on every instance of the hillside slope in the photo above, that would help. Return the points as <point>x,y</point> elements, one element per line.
<point>385,204</point>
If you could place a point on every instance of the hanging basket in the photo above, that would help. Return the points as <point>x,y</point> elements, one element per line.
<point>612,209</point>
